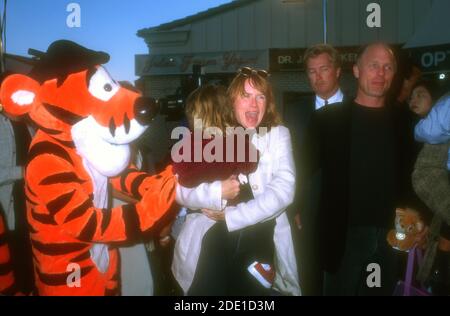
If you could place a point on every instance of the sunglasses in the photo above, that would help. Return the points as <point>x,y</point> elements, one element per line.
<point>248,72</point>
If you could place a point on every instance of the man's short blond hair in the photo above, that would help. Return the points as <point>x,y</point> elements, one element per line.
<point>320,49</point>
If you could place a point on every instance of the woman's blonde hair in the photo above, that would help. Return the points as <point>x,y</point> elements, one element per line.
<point>209,104</point>
<point>236,89</point>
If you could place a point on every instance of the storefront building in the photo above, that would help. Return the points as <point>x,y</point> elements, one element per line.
<point>274,34</point>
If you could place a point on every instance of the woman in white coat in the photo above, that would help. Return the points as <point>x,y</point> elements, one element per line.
<point>204,258</point>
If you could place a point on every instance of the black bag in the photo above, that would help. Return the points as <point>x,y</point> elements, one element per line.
<point>254,243</point>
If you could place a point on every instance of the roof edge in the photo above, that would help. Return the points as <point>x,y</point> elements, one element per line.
<point>24,59</point>
<point>195,17</point>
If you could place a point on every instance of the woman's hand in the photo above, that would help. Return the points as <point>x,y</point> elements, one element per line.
<point>214,215</point>
<point>230,188</point>
<point>164,235</point>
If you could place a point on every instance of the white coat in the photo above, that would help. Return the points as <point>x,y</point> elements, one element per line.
<point>273,186</point>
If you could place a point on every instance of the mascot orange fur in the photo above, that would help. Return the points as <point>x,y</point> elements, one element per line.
<point>85,122</point>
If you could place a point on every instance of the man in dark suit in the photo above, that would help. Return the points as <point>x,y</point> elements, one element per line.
<point>323,67</point>
<point>363,149</point>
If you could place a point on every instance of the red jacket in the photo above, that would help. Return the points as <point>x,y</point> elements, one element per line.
<point>192,174</point>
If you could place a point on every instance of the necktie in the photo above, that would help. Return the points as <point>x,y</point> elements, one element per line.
<point>325,103</point>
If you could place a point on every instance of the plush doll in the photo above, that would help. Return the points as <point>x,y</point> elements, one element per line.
<point>407,226</point>
<point>85,122</point>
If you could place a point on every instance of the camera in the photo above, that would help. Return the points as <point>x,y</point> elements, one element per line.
<point>173,106</point>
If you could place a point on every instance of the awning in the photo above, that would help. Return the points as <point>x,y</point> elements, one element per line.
<point>435,29</point>
<point>430,45</point>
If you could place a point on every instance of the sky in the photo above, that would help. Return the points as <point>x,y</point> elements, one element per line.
<point>107,25</point>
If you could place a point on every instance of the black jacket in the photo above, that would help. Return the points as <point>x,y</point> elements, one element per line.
<point>327,148</point>
<point>298,116</point>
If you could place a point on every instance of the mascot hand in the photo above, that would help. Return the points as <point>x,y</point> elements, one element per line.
<point>158,196</point>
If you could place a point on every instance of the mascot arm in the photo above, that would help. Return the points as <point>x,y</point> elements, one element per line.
<point>70,204</point>
<point>135,183</point>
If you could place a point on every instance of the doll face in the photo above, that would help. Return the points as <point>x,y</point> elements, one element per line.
<point>421,101</point>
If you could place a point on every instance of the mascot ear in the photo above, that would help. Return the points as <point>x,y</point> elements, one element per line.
<point>18,94</point>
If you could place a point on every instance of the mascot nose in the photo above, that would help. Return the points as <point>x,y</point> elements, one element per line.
<point>145,110</point>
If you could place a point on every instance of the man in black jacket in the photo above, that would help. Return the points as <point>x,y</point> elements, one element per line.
<point>323,67</point>
<point>363,150</point>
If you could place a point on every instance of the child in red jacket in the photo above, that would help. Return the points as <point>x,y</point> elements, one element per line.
<point>211,159</point>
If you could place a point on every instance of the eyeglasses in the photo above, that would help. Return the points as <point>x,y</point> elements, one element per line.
<point>248,72</point>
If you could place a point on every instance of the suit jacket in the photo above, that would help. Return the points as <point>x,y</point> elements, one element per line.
<point>298,117</point>
<point>272,185</point>
<point>329,145</point>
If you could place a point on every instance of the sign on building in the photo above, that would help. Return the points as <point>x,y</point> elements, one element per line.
<point>292,59</point>
<point>432,58</point>
<point>221,62</point>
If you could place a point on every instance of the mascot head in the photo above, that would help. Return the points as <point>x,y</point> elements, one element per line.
<point>71,97</point>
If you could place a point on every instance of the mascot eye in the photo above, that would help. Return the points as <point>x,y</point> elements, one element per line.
<point>102,86</point>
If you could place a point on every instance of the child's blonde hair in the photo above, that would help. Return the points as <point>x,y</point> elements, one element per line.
<point>209,104</point>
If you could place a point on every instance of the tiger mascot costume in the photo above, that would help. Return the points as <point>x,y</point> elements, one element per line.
<point>85,122</point>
